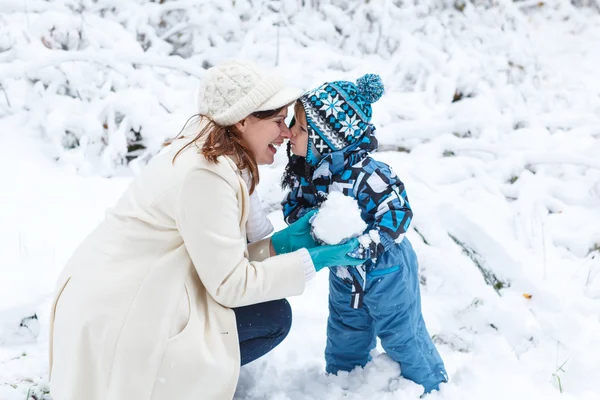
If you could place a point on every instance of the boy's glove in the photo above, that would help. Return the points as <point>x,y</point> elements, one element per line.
<point>296,236</point>
<point>330,256</point>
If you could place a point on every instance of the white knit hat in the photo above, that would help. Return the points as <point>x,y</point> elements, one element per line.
<point>231,91</point>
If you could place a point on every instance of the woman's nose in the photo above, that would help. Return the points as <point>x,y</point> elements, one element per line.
<point>286,132</point>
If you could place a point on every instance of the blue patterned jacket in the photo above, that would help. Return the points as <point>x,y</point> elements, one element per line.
<point>378,190</point>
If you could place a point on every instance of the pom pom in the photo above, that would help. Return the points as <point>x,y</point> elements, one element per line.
<point>370,87</point>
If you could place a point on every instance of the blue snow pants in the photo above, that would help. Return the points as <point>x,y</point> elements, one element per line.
<point>391,310</point>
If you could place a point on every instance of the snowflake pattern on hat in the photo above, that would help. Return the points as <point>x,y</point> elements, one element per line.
<point>338,113</point>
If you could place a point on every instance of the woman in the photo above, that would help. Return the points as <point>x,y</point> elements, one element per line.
<point>147,306</point>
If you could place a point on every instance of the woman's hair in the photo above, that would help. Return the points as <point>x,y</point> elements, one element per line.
<point>227,140</point>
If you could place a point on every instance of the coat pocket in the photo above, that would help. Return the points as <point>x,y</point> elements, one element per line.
<point>181,369</point>
<point>181,322</point>
<point>199,362</point>
<point>380,272</point>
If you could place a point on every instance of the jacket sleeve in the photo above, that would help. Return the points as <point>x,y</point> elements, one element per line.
<point>381,194</point>
<point>294,206</point>
<point>208,218</point>
<point>258,225</point>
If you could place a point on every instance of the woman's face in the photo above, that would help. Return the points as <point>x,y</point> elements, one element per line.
<point>299,133</point>
<point>264,136</point>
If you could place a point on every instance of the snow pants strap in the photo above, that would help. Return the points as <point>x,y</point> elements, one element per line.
<point>358,293</point>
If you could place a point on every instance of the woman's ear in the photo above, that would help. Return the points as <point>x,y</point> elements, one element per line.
<point>241,126</point>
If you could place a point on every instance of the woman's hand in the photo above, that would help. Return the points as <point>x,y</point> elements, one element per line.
<point>296,236</point>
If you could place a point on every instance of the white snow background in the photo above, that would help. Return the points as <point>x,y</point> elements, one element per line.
<point>491,118</point>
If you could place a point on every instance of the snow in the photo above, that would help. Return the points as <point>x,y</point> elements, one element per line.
<point>491,118</point>
<point>364,240</point>
<point>338,219</point>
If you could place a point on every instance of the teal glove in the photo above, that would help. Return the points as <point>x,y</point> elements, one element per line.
<point>331,256</point>
<point>294,237</point>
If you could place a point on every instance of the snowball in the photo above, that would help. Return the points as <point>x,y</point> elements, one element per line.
<point>338,219</point>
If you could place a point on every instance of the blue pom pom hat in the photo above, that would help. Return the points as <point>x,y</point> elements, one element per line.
<point>338,113</point>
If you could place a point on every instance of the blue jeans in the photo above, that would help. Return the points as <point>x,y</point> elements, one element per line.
<point>261,327</point>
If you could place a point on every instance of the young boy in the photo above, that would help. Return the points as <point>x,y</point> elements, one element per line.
<point>331,140</point>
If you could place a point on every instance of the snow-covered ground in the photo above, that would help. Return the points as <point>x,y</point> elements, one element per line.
<point>504,180</point>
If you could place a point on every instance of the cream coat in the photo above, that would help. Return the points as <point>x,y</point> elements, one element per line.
<point>142,309</point>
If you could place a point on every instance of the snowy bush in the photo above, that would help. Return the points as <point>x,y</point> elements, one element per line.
<point>109,81</point>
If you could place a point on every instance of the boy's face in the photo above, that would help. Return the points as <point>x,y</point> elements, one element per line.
<point>299,132</point>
